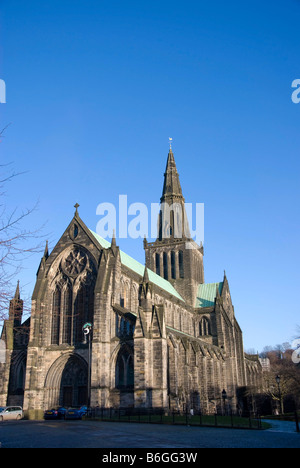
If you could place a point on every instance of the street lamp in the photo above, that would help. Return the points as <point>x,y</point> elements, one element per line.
<point>87,330</point>
<point>278,379</point>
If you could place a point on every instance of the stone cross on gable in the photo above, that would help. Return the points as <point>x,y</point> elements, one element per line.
<point>76,206</point>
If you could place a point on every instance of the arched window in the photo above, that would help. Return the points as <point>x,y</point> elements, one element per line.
<point>180,260</point>
<point>124,370</point>
<point>73,298</point>
<point>56,316</point>
<point>83,311</point>
<point>134,299</point>
<point>21,377</point>
<point>173,265</point>
<point>67,316</point>
<point>157,263</point>
<point>165,259</point>
<point>204,327</point>
<point>80,314</point>
<point>124,295</point>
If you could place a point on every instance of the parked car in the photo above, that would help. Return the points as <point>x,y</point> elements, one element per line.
<point>76,413</point>
<point>55,413</point>
<point>10,413</point>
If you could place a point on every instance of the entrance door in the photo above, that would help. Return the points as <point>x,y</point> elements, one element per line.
<point>67,396</point>
<point>82,395</point>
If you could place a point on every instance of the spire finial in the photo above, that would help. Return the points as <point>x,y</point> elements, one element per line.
<point>146,276</point>
<point>170,144</point>
<point>113,239</point>
<point>46,251</point>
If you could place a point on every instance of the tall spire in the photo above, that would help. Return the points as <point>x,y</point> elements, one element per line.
<point>174,255</point>
<point>173,221</point>
<point>172,187</point>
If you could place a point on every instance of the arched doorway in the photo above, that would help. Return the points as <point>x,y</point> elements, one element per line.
<point>74,384</point>
<point>124,377</point>
<point>124,370</point>
<point>66,382</point>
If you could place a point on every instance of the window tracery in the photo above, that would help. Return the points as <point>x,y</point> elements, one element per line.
<point>72,296</point>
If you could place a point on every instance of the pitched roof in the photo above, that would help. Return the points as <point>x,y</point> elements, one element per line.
<point>139,268</point>
<point>206,294</point>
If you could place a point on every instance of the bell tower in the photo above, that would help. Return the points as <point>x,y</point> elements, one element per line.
<point>174,255</point>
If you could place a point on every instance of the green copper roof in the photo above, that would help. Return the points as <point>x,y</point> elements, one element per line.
<point>136,266</point>
<point>207,294</point>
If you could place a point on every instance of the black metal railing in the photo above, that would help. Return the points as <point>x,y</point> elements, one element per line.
<point>158,416</point>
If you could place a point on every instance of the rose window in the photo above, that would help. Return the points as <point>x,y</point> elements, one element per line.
<point>75,262</point>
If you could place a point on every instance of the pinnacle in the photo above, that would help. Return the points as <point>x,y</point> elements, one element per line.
<point>172,187</point>
<point>17,293</point>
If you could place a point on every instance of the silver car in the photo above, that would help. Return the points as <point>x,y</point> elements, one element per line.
<point>10,412</point>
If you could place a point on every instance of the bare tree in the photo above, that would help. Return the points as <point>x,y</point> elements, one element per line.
<point>282,382</point>
<point>16,242</point>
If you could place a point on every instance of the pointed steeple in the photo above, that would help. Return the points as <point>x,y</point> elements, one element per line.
<point>17,293</point>
<point>174,255</point>
<point>16,308</point>
<point>173,222</point>
<point>172,187</point>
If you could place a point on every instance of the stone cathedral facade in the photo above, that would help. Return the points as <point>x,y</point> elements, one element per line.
<point>161,337</point>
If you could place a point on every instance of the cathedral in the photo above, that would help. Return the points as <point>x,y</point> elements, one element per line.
<point>110,332</point>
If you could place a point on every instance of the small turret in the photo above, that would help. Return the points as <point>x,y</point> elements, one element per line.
<point>16,308</point>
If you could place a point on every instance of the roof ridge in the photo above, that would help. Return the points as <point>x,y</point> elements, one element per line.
<point>139,268</point>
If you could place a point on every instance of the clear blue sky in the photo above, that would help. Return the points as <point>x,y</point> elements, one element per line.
<point>94,90</point>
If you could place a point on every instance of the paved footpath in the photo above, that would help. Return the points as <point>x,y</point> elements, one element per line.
<point>104,435</point>
<point>281,426</point>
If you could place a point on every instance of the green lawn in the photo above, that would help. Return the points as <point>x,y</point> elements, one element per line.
<point>197,420</point>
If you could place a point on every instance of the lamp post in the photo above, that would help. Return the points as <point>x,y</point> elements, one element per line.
<point>278,379</point>
<point>87,330</point>
<point>224,396</point>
